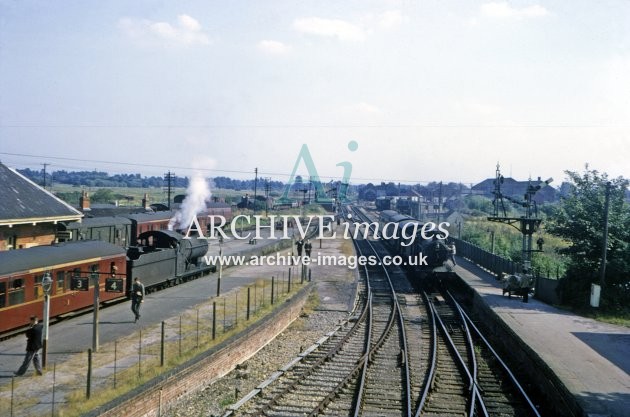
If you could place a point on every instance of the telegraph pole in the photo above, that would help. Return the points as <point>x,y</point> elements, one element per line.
<point>267,188</point>
<point>45,165</point>
<point>602,267</point>
<point>169,177</point>
<point>310,184</point>
<point>439,203</point>
<point>255,188</point>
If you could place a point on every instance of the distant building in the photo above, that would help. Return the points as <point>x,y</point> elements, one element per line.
<point>516,189</point>
<point>28,213</point>
<point>108,209</point>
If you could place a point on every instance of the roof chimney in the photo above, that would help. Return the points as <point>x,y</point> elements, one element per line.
<point>145,201</point>
<point>84,201</point>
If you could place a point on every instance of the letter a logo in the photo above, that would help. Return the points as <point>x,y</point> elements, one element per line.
<point>304,155</point>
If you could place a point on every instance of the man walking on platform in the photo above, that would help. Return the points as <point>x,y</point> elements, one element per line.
<point>33,345</point>
<point>137,297</point>
<point>300,245</point>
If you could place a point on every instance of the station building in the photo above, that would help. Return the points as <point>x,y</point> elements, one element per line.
<point>28,213</point>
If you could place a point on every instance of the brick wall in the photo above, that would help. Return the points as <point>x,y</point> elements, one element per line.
<point>198,373</point>
<point>27,235</point>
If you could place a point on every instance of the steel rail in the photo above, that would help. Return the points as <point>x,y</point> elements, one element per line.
<point>503,364</point>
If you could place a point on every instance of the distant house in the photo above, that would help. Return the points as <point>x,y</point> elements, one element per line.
<point>516,189</point>
<point>28,213</point>
<point>105,209</point>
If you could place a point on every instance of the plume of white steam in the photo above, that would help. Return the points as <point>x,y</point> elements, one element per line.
<point>197,194</point>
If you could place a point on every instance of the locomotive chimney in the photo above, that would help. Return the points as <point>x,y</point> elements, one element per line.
<point>84,201</point>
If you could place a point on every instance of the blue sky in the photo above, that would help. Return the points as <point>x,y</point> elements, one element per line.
<point>430,90</point>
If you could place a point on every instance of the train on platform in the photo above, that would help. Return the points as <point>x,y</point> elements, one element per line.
<point>437,252</point>
<point>70,270</point>
<point>125,229</point>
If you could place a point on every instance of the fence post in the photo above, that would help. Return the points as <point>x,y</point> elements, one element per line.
<point>248,300</point>
<point>162,335</point>
<point>115,360</point>
<point>180,335</point>
<point>197,329</point>
<point>140,355</point>
<point>236,308</point>
<point>273,282</point>
<point>88,388</point>
<point>12,391</point>
<point>289,283</point>
<point>52,413</point>
<point>214,319</point>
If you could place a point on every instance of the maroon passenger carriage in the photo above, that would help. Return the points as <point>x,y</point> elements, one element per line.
<point>22,271</point>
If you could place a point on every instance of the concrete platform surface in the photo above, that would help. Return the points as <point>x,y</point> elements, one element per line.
<point>591,358</point>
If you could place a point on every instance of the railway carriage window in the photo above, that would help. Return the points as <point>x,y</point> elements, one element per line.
<point>3,294</point>
<point>38,290</point>
<point>68,281</point>
<point>16,291</point>
<point>61,282</point>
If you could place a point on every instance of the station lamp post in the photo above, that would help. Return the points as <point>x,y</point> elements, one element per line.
<point>97,301</point>
<point>46,286</point>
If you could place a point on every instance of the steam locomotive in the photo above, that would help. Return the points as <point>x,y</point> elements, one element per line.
<point>433,247</point>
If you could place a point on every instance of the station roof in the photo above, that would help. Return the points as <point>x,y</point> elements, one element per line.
<point>23,202</point>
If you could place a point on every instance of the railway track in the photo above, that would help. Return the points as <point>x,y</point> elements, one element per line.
<point>401,353</point>
<point>362,369</point>
<point>470,378</point>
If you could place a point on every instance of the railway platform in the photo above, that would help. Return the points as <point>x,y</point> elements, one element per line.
<point>73,336</point>
<point>591,358</point>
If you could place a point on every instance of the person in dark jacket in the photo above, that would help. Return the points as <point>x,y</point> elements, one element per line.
<point>137,297</point>
<point>299,244</point>
<point>33,345</point>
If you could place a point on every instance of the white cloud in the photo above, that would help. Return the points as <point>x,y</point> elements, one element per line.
<point>187,31</point>
<point>503,10</point>
<point>273,47</point>
<point>189,23</point>
<point>336,28</point>
<point>391,19</point>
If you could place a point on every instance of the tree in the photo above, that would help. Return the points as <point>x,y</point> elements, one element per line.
<point>579,219</point>
<point>103,195</point>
